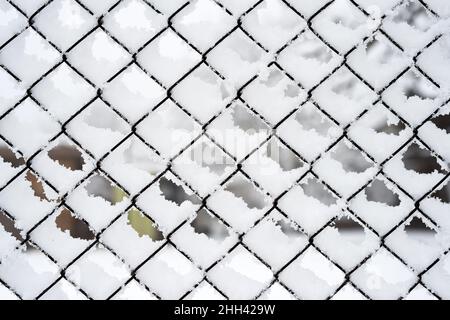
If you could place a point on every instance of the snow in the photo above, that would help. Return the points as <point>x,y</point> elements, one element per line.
<point>6,294</point>
<point>285,240</point>
<point>380,6</point>
<point>20,200</point>
<point>98,272</point>
<point>348,292</point>
<point>127,242</point>
<point>347,247</point>
<point>205,248</point>
<point>274,167</point>
<point>63,290</point>
<point>61,245</point>
<point>29,7</point>
<point>381,214</point>
<point>216,93</point>
<point>309,60</point>
<point>420,293</point>
<point>310,204</point>
<point>345,168</point>
<point>11,21</point>
<point>9,168</point>
<point>312,276</point>
<point>240,274</point>
<point>437,136</point>
<point>97,210</point>
<point>413,26</point>
<point>309,131</point>
<point>203,166</point>
<point>168,129</point>
<point>98,128</point>
<point>239,203</point>
<point>133,164</point>
<point>436,206</point>
<point>439,6</point>
<point>133,291</point>
<point>167,213</point>
<point>238,130</point>
<point>435,56</point>
<point>405,176</point>
<point>169,274</point>
<point>438,278</point>
<point>273,95</point>
<point>344,96</point>
<point>64,178</point>
<point>11,92</point>
<point>8,241</point>
<point>28,127</point>
<point>307,8</point>
<point>64,22</point>
<point>378,60</point>
<point>63,92</point>
<point>384,277</point>
<point>343,25</point>
<point>133,93</point>
<point>273,24</point>
<point>133,22</point>
<point>168,57</point>
<point>204,291</point>
<point>276,292</point>
<point>98,49</point>
<point>29,56</point>
<point>28,273</point>
<point>413,97</point>
<point>203,23</point>
<point>238,58</point>
<point>98,7</point>
<point>238,7</point>
<point>407,243</point>
<point>371,132</point>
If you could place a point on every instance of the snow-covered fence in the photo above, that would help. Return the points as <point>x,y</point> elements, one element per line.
<point>242,149</point>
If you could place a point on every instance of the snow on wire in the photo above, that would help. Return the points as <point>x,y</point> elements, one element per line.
<point>224,149</point>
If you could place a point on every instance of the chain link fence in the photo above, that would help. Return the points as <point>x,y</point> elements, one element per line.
<point>224,149</point>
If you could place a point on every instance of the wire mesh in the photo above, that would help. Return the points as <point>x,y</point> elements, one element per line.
<point>102,265</point>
